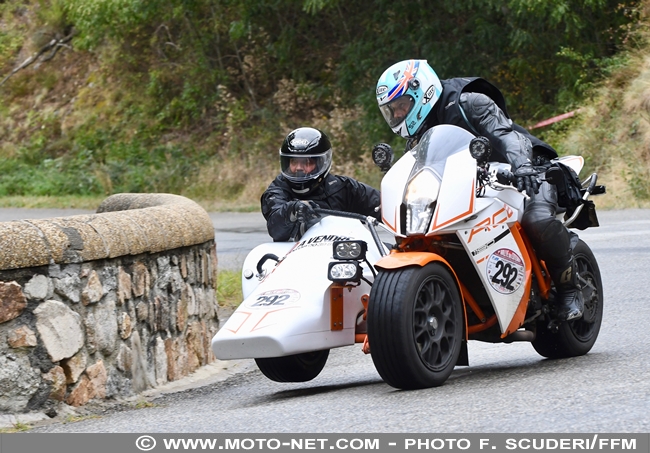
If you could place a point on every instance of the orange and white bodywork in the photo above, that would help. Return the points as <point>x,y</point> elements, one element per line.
<point>487,227</point>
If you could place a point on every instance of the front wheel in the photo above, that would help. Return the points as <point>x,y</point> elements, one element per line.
<point>415,325</point>
<point>575,338</point>
<point>294,368</point>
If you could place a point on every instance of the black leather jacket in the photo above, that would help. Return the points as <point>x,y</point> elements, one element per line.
<point>479,107</point>
<point>339,193</point>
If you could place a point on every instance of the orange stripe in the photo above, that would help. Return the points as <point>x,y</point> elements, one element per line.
<point>435,225</point>
<point>394,226</point>
<point>268,313</point>
<point>520,313</point>
<point>243,322</point>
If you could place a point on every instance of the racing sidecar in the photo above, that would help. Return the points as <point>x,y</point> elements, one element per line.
<point>293,310</point>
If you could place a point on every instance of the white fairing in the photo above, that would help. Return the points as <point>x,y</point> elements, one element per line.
<point>575,162</point>
<point>288,311</point>
<point>392,191</point>
<point>484,225</point>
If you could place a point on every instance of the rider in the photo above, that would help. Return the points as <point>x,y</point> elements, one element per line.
<point>305,183</point>
<point>413,99</point>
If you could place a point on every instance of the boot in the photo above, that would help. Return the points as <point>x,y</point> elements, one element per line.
<point>569,300</point>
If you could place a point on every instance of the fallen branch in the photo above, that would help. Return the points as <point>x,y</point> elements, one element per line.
<point>54,45</point>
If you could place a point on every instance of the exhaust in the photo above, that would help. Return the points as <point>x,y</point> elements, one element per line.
<point>520,335</point>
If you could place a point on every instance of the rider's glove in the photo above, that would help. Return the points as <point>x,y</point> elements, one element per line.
<point>527,179</point>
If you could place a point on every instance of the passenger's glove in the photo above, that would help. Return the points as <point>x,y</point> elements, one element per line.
<point>527,179</point>
<point>302,211</point>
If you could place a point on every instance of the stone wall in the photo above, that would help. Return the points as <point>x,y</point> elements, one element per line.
<point>105,305</point>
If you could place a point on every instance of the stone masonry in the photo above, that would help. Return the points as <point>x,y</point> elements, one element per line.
<point>105,305</point>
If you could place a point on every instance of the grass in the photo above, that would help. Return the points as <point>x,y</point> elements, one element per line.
<point>62,202</point>
<point>79,418</point>
<point>19,427</point>
<point>229,294</point>
<point>144,404</point>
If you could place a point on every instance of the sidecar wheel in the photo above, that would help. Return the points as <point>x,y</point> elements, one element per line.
<point>415,325</point>
<point>294,368</point>
<point>575,338</point>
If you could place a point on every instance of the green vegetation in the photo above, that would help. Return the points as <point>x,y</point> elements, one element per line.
<point>79,418</point>
<point>144,404</point>
<point>194,96</point>
<point>229,291</point>
<point>18,427</point>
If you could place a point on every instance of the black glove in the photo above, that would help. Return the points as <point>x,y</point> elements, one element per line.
<point>302,211</point>
<point>527,179</point>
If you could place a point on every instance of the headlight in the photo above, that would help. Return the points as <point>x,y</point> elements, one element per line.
<point>480,149</point>
<point>349,250</point>
<point>419,199</point>
<point>344,271</point>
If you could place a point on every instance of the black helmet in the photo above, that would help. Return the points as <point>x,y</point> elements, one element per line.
<point>305,158</point>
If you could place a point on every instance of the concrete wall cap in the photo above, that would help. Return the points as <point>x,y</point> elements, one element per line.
<point>125,224</point>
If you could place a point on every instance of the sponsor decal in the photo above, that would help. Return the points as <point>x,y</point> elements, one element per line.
<point>318,241</point>
<point>274,298</point>
<point>490,243</point>
<point>396,74</point>
<point>499,217</point>
<point>299,142</point>
<point>381,89</point>
<point>505,271</point>
<point>429,94</point>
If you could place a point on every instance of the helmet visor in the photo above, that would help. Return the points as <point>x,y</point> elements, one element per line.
<point>304,167</point>
<point>396,110</point>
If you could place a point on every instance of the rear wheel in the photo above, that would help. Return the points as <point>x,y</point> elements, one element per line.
<point>575,338</point>
<point>294,368</point>
<point>415,325</point>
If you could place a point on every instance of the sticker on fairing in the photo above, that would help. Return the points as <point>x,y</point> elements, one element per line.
<point>505,271</point>
<point>274,298</point>
<point>316,241</point>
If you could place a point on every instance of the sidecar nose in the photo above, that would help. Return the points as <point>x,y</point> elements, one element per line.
<point>245,348</point>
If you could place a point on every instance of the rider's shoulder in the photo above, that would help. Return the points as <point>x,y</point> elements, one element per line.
<point>278,185</point>
<point>335,181</point>
<point>476,100</point>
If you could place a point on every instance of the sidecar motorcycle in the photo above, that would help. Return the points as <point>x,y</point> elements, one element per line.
<point>459,268</point>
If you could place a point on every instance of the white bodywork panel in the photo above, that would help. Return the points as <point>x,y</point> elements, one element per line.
<point>288,311</point>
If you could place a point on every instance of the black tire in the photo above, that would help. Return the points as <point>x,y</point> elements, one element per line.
<point>294,368</point>
<point>575,338</point>
<point>415,325</point>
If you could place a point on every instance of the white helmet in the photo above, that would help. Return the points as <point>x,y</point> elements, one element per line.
<point>406,93</point>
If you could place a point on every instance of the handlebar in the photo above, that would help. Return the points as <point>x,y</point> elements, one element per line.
<point>368,220</point>
<point>350,215</point>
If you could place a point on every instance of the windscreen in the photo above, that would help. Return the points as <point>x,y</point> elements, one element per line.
<point>437,144</point>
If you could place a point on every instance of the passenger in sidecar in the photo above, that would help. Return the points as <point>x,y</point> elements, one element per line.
<point>305,183</point>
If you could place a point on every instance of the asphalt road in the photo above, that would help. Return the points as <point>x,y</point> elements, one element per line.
<point>506,388</point>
